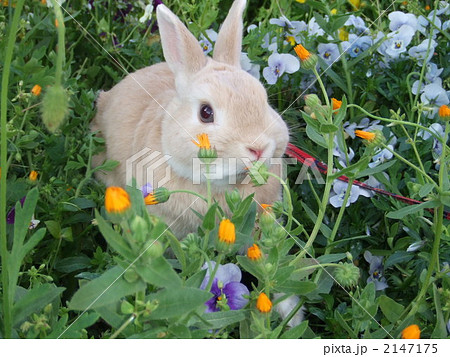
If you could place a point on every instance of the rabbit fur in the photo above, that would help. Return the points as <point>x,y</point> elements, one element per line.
<point>157,108</point>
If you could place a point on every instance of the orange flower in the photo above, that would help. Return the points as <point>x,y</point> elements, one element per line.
<point>263,303</point>
<point>302,52</point>
<point>365,135</point>
<point>117,200</point>
<point>336,103</point>
<point>203,141</point>
<point>33,175</point>
<point>150,199</point>
<point>266,206</point>
<point>444,112</point>
<point>56,23</point>
<point>36,90</point>
<point>427,7</point>
<point>254,253</point>
<point>227,232</point>
<point>411,332</point>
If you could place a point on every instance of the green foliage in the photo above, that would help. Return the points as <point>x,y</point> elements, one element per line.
<point>89,274</point>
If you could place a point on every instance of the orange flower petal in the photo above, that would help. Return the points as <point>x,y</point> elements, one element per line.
<point>117,200</point>
<point>302,52</point>
<point>227,232</point>
<point>411,332</point>
<point>263,303</point>
<point>254,253</point>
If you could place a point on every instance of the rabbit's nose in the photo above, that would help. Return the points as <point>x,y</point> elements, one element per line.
<point>256,153</point>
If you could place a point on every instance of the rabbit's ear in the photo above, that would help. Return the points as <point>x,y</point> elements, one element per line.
<point>181,49</point>
<point>229,41</point>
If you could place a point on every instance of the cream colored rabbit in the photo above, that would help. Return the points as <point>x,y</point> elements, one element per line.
<point>150,118</point>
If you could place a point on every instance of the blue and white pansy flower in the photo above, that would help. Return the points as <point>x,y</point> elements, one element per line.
<point>278,65</point>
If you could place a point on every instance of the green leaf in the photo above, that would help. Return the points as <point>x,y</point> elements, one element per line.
<point>340,115</point>
<point>71,264</point>
<point>331,258</point>
<point>297,287</point>
<point>82,322</point>
<point>178,251</point>
<point>338,21</point>
<point>114,239</point>
<point>328,128</point>
<point>402,212</point>
<point>23,216</point>
<point>177,302</point>
<point>180,331</point>
<point>196,280</point>
<point>371,171</point>
<point>209,222</point>
<point>106,289</point>
<point>159,272</point>
<point>426,189</point>
<point>440,330</point>
<point>344,325</point>
<point>220,319</point>
<point>34,300</point>
<point>397,258</point>
<point>250,267</point>
<point>315,136</point>
<point>323,228</point>
<point>391,309</point>
<point>242,210</point>
<point>54,228</point>
<point>296,331</point>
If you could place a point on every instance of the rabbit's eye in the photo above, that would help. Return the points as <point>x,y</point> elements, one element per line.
<point>206,113</point>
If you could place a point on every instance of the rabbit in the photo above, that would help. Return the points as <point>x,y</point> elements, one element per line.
<point>151,117</point>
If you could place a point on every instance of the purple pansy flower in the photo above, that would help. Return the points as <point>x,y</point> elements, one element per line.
<point>228,292</point>
<point>376,271</point>
<point>278,64</point>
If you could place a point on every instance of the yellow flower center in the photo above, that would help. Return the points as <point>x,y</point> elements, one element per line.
<point>227,232</point>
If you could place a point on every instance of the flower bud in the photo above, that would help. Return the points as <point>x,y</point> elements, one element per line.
<point>308,59</point>
<point>55,106</point>
<point>347,275</point>
<point>444,113</point>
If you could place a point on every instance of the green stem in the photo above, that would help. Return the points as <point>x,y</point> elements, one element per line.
<point>7,303</point>
<point>288,200</point>
<point>124,326</point>
<point>88,169</point>
<point>336,225</point>
<point>323,204</point>
<point>322,87</point>
<point>439,221</point>
<point>214,272</point>
<point>190,192</point>
<point>61,45</point>
<point>401,122</point>
<point>418,169</point>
